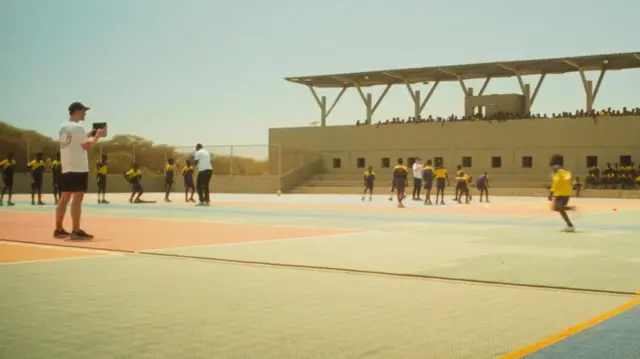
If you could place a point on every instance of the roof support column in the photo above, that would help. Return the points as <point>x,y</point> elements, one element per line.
<point>322,103</point>
<point>526,91</point>
<point>368,101</point>
<point>419,105</point>
<point>484,86</point>
<point>589,91</point>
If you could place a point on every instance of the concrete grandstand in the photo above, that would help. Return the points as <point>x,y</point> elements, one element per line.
<point>517,165</point>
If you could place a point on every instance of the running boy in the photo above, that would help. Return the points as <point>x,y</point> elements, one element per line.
<point>561,191</point>
<point>134,176</point>
<point>7,167</point>
<point>369,179</point>
<point>36,167</point>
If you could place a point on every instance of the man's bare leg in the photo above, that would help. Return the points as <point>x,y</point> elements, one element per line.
<point>76,210</point>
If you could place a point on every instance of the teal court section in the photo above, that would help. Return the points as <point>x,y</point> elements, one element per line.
<point>617,338</point>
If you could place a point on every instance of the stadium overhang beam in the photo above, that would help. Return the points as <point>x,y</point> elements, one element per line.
<point>367,99</point>
<point>529,97</point>
<point>418,103</point>
<point>589,91</point>
<point>322,103</point>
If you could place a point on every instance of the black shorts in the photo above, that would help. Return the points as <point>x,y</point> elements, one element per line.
<point>440,183</point>
<point>399,185</point>
<point>8,181</point>
<point>102,181</point>
<point>428,184</point>
<point>482,187</point>
<point>36,182</point>
<point>74,182</point>
<point>168,182</point>
<point>462,186</point>
<point>136,187</point>
<point>368,186</point>
<point>189,185</point>
<point>560,202</point>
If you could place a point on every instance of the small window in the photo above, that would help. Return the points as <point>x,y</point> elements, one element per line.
<point>361,162</point>
<point>496,162</point>
<point>466,162</point>
<point>337,163</point>
<point>527,162</point>
<point>437,161</point>
<point>625,160</point>
<point>411,161</point>
<point>592,161</point>
<point>386,162</point>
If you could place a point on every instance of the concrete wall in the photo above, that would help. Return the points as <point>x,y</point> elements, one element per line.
<point>575,139</point>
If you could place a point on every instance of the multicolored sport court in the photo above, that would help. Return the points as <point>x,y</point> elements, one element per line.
<point>257,276</point>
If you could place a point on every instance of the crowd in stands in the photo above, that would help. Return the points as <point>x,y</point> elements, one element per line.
<point>503,116</point>
<point>613,177</point>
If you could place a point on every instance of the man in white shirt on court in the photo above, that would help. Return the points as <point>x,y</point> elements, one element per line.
<point>418,167</point>
<point>202,159</point>
<point>74,178</point>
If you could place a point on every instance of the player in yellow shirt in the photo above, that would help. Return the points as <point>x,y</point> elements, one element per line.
<point>169,172</point>
<point>189,185</point>
<point>36,167</point>
<point>56,172</point>
<point>369,179</point>
<point>561,191</point>
<point>134,176</point>
<point>400,181</point>
<point>7,167</point>
<point>102,169</point>
<point>442,180</point>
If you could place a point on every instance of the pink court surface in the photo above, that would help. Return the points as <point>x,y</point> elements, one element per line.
<point>261,276</point>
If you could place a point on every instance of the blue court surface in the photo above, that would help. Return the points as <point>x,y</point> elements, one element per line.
<point>331,276</point>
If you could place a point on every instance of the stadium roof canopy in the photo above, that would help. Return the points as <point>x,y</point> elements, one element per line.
<point>500,69</point>
<point>459,73</point>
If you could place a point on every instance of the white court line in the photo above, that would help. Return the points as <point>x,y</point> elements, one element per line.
<point>265,241</point>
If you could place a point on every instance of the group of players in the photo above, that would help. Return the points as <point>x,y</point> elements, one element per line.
<point>425,179</point>
<point>38,166</point>
<point>560,191</point>
<point>625,176</point>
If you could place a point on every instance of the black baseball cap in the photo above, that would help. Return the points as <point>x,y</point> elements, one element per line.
<point>77,106</point>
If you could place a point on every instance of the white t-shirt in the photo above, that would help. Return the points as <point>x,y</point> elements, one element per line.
<point>73,156</point>
<point>417,170</point>
<point>204,160</point>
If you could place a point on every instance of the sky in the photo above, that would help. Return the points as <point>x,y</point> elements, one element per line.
<point>182,72</point>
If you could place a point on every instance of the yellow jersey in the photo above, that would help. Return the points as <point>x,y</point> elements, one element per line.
<point>102,168</point>
<point>441,172</point>
<point>561,186</point>
<point>7,167</point>
<point>133,175</point>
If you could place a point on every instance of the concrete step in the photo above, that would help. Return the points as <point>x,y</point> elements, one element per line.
<point>519,192</point>
<point>387,182</point>
<point>493,177</point>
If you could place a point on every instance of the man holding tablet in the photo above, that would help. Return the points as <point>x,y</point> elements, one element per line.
<point>202,159</point>
<point>74,177</point>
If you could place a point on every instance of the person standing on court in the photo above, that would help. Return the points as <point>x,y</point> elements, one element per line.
<point>202,160</point>
<point>74,177</point>
<point>418,168</point>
